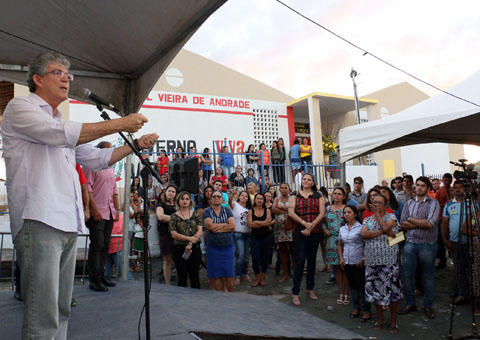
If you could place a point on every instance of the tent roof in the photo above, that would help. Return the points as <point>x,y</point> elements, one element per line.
<point>441,118</point>
<point>117,49</point>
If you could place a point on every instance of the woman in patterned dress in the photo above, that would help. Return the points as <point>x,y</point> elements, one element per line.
<point>283,237</point>
<point>382,270</point>
<point>334,220</point>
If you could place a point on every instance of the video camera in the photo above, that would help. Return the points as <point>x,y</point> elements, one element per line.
<point>467,173</point>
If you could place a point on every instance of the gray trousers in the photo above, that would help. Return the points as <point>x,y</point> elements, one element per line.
<point>47,266</point>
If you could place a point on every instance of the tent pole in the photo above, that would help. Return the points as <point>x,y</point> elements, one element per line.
<point>343,171</point>
<point>353,74</point>
<point>343,175</point>
<point>128,108</point>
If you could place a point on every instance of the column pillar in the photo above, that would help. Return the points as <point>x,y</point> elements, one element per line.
<point>316,137</point>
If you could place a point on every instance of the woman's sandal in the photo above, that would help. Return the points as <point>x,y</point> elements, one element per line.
<point>393,329</point>
<point>346,300</point>
<point>283,279</point>
<point>296,300</point>
<point>311,294</point>
<point>364,319</point>
<point>246,278</point>
<point>378,326</point>
<point>355,314</point>
<point>340,300</point>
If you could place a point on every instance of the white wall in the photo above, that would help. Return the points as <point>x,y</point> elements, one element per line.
<point>369,173</point>
<point>184,119</point>
<point>434,156</point>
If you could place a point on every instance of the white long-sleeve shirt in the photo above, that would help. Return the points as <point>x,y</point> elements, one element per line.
<point>40,154</point>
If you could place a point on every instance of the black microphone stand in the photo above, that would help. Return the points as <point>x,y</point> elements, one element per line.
<point>145,172</point>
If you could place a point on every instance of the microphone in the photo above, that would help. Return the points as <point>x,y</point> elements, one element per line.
<point>100,101</point>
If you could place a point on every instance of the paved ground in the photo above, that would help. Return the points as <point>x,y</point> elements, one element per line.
<point>412,326</point>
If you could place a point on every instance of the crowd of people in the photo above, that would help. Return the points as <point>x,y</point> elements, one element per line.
<point>234,168</point>
<point>380,246</point>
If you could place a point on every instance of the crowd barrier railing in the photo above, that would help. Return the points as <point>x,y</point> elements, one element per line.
<point>279,172</point>
<point>326,175</point>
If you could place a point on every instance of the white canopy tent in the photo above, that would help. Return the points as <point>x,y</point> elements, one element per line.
<point>117,49</point>
<point>441,118</point>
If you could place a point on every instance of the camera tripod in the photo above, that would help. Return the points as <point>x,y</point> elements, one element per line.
<point>469,225</point>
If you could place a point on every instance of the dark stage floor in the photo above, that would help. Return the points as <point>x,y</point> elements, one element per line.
<point>175,312</point>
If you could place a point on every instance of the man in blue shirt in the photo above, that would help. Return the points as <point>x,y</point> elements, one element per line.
<point>217,185</point>
<point>348,190</point>
<point>358,195</point>
<point>294,155</point>
<point>459,252</point>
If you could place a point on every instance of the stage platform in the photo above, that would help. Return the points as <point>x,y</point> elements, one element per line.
<point>178,314</point>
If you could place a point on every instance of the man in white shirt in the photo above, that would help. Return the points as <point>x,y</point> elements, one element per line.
<point>298,179</point>
<point>44,194</point>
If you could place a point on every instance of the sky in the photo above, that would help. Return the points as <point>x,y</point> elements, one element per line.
<point>437,41</point>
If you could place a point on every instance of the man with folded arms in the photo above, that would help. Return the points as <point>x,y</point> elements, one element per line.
<point>419,218</point>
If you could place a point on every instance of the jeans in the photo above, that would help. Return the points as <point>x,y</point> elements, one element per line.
<point>261,248</point>
<point>356,279</point>
<point>307,159</point>
<point>228,171</point>
<point>206,175</point>
<point>115,259</point>
<point>441,250</point>
<point>295,163</point>
<point>278,171</point>
<point>242,251</point>
<point>423,254</point>
<point>100,234</point>
<point>461,268</point>
<point>187,268</point>
<point>305,248</point>
<point>47,264</point>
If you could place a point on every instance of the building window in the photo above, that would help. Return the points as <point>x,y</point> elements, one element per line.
<point>265,126</point>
